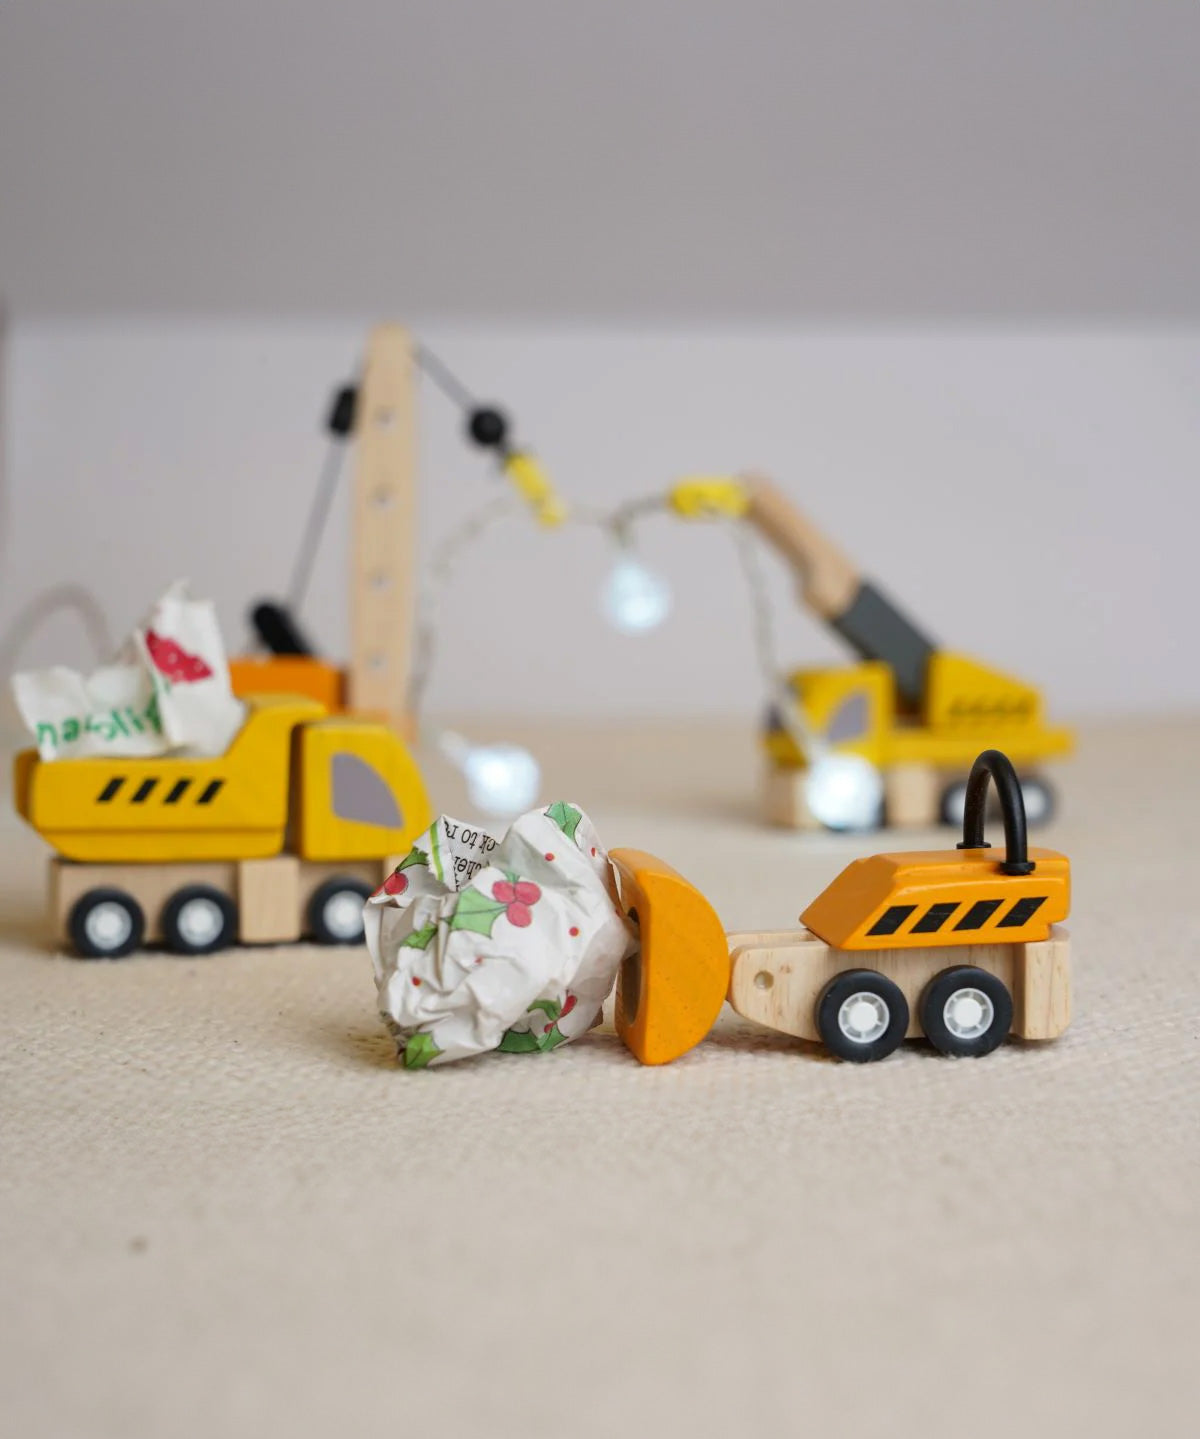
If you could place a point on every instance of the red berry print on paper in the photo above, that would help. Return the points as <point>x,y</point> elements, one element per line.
<point>173,661</point>
<point>512,897</point>
<point>397,881</point>
<point>518,897</point>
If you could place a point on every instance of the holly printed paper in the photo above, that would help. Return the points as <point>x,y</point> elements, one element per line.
<point>169,689</point>
<point>508,944</point>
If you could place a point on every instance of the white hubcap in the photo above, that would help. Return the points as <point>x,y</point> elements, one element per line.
<point>200,921</point>
<point>344,914</point>
<point>108,925</point>
<point>968,1013</point>
<point>863,1017</point>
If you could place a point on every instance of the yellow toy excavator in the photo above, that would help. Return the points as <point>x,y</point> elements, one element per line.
<point>918,713</point>
<point>963,946</point>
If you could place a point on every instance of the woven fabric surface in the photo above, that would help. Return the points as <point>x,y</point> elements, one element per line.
<point>225,1210</point>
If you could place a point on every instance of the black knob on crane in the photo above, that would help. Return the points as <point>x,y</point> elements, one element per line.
<point>487,427</point>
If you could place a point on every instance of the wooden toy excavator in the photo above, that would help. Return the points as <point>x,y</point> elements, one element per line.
<point>963,946</point>
<point>917,712</point>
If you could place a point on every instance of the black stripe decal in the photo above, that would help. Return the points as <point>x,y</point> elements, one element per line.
<point>144,791</point>
<point>934,917</point>
<point>110,789</point>
<point>178,790</point>
<point>1021,912</point>
<point>979,914</point>
<point>211,790</point>
<point>891,919</point>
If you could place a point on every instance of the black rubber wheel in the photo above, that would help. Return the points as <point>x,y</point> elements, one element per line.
<point>335,910</point>
<point>199,919</point>
<point>966,1011</point>
<point>1040,799</point>
<point>862,1016</point>
<point>106,924</point>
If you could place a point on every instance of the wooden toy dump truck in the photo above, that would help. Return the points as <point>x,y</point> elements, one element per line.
<point>283,836</point>
<point>962,946</point>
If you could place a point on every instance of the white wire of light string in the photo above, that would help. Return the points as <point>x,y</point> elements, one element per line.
<point>618,524</point>
<point>26,623</point>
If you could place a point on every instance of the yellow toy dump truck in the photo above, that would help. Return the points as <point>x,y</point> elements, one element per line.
<point>963,946</point>
<point>282,836</point>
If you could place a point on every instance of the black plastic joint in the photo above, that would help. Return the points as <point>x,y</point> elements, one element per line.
<point>342,411</point>
<point>487,427</point>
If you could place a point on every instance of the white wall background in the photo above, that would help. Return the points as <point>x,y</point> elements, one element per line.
<point>933,264</point>
<point>655,161</point>
<point>1031,497</point>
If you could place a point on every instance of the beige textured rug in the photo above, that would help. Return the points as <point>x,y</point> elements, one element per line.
<point>225,1211</point>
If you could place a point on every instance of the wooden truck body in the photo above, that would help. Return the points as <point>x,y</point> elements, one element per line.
<point>281,836</point>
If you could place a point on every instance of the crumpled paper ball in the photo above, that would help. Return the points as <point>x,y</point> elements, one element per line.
<point>510,944</point>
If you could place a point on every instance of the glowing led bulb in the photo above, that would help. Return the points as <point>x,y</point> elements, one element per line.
<point>502,779</point>
<point>844,791</point>
<point>635,599</point>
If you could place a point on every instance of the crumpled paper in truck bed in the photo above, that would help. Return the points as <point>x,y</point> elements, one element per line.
<point>481,943</point>
<point>168,689</point>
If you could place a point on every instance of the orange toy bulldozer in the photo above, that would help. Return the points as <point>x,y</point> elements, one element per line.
<point>962,946</point>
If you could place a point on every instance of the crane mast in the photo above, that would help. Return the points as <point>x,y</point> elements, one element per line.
<point>384,531</point>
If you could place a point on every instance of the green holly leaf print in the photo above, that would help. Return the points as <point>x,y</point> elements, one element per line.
<point>476,912</point>
<point>553,1039</point>
<point>419,1051</point>
<point>414,856</point>
<point>566,816</point>
<point>518,1042</point>
<point>549,1007</point>
<point>419,938</point>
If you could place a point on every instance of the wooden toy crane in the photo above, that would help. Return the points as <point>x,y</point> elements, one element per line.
<point>380,413</point>
<point>919,713</point>
<point>384,535</point>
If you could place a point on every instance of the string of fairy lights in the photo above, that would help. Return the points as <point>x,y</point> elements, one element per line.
<point>843,791</point>
<point>503,779</point>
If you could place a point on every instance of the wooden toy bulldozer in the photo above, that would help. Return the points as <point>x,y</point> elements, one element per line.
<point>962,946</point>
